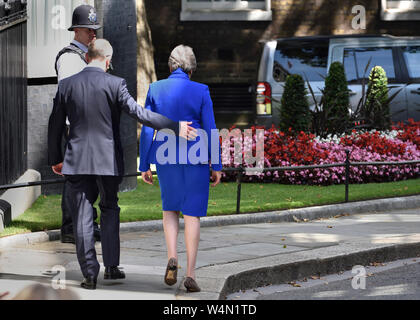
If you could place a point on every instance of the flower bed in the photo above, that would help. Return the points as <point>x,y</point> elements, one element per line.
<point>402,143</point>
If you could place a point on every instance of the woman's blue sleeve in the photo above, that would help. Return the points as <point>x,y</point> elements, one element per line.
<point>146,139</point>
<point>209,125</point>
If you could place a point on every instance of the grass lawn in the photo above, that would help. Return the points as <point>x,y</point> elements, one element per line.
<point>145,204</point>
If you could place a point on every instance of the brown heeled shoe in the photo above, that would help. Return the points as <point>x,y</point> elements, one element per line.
<point>191,285</point>
<point>171,272</point>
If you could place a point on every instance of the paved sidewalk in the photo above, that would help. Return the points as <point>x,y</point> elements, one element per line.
<point>231,257</point>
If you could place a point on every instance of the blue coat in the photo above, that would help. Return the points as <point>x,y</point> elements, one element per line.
<point>181,99</point>
<point>93,101</point>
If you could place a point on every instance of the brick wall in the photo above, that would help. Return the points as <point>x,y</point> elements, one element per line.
<point>238,41</point>
<point>315,17</point>
<point>227,52</point>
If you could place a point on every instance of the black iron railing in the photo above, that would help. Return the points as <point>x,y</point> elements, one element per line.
<point>241,171</point>
<point>13,91</point>
<point>347,165</point>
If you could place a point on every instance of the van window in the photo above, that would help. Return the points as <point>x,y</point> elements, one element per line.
<point>308,59</point>
<point>356,60</point>
<point>412,60</point>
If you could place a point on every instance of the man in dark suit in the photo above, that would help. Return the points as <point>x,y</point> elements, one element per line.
<point>70,61</point>
<point>93,101</point>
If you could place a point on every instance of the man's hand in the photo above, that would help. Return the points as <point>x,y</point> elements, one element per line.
<point>147,177</point>
<point>216,176</point>
<point>186,131</point>
<point>57,169</point>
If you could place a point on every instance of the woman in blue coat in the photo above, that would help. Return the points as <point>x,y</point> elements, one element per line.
<point>183,167</point>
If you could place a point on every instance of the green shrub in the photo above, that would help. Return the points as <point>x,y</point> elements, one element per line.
<point>377,110</point>
<point>294,112</point>
<point>336,100</point>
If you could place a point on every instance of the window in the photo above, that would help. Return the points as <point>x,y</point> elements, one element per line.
<point>392,10</point>
<point>306,59</point>
<point>412,60</point>
<point>222,10</point>
<point>48,21</point>
<point>356,60</point>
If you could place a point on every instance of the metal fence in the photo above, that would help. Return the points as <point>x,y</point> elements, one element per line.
<point>13,91</point>
<point>241,171</point>
<point>347,165</point>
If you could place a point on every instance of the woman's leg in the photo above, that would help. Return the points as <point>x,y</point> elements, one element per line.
<point>192,240</point>
<point>171,228</point>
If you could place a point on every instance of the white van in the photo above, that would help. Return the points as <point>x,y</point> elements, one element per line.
<point>311,57</point>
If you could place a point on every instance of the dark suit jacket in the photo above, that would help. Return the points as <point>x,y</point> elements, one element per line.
<point>93,101</point>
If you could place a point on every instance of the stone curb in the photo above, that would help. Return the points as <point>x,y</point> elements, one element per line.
<point>293,215</point>
<point>223,280</point>
<point>302,269</point>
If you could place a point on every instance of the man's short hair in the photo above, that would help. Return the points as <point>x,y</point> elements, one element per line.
<point>183,57</point>
<point>100,49</point>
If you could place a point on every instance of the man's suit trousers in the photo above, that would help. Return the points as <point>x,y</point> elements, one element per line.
<point>81,197</point>
<point>67,221</point>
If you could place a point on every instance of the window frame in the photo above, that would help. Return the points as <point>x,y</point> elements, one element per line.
<point>410,10</point>
<point>404,64</point>
<point>302,44</point>
<point>396,60</point>
<point>238,10</point>
<point>225,5</point>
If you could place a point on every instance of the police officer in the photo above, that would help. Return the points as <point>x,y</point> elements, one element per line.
<point>70,61</point>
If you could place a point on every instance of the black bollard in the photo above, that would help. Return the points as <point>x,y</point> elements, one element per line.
<point>238,199</point>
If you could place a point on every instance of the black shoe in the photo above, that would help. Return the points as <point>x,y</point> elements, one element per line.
<point>68,238</point>
<point>113,273</point>
<point>89,284</point>
<point>191,285</point>
<point>97,233</point>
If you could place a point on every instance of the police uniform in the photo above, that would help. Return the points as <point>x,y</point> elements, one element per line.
<point>70,61</point>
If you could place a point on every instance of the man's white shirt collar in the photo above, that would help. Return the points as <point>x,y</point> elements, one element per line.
<point>80,45</point>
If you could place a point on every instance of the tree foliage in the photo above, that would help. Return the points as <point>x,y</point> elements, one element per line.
<point>294,112</point>
<point>336,99</point>
<point>377,109</point>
